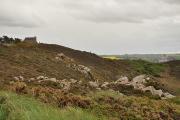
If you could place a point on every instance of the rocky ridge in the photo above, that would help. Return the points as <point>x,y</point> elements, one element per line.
<point>138,83</point>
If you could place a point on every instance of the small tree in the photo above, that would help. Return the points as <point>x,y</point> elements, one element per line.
<point>1,39</point>
<point>6,39</point>
<point>17,40</point>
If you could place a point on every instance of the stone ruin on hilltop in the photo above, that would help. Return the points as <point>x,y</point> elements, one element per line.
<point>32,40</point>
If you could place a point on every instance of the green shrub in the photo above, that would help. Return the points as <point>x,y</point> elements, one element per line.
<point>176,100</point>
<point>148,68</point>
<point>18,107</point>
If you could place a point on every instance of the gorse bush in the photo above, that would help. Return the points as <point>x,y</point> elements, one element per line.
<point>16,107</point>
<point>148,68</point>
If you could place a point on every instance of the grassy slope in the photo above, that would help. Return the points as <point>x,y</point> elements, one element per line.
<point>16,107</point>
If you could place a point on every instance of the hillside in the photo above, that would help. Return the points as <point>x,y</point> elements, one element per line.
<point>31,61</point>
<point>101,88</point>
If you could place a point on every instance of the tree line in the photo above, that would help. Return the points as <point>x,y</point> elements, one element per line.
<point>9,40</point>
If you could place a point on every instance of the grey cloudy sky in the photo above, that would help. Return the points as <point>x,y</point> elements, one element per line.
<point>99,26</point>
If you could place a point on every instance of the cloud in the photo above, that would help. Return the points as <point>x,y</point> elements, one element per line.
<point>33,13</point>
<point>18,14</point>
<point>172,1</point>
<point>113,11</point>
<point>16,21</point>
<point>86,24</point>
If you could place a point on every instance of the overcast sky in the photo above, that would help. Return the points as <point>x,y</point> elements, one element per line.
<point>99,26</point>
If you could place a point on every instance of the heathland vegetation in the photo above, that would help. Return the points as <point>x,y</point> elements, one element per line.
<point>52,82</point>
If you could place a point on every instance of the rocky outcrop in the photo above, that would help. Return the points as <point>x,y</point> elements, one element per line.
<point>82,69</point>
<point>139,82</point>
<point>62,84</point>
<point>122,80</point>
<point>73,65</point>
<point>153,91</point>
<point>63,58</point>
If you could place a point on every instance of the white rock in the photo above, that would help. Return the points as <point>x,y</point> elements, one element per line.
<point>168,95</point>
<point>80,82</point>
<point>93,84</point>
<point>31,80</point>
<point>159,92</point>
<point>52,79</point>
<point>138,86</point>
<point>21,78</point>
<point>104,85</point>
<point>98,88</point>
<point>73,80</point>
<point>57,58</point>
<point>122,79</point>
<point>149,88</point>
<point>153,91</point>
<point>61,55</point>
<point>40,77</point>
<point>139,79</point>
<point>16,78</point>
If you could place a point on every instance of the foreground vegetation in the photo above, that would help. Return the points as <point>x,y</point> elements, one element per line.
<point>104,105</point>
<point>34,98</point>
<point>17,107</point>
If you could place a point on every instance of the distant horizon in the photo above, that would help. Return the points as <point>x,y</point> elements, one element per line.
<point>144,54</point>
<point>41,41</point>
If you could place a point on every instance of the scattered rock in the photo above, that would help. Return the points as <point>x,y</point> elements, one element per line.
<point>98,88</point>
<point>52,79</point>
<point>167,96</point>
<point>123,80</point>
<point>105,85</point>
<point>73,81</point>
<point>148,78</point>
<point>64,58</point>
<point>16,78</point>
<point>31,80</point>
<point>139,79</point>
<point>153,91</point>
<point>19,78</point>
<point>93,84</point>
<point>66,84</point>
<point>40,78</point>
<point>80,82</point>
<point>81,68</point>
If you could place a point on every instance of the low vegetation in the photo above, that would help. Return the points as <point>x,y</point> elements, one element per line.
<point>95,105</point>
<point>18,107</point>
<point>147,68</point>
<point>133,108</point>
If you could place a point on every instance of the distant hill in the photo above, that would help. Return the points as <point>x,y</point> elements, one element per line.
<point>156,58</point>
